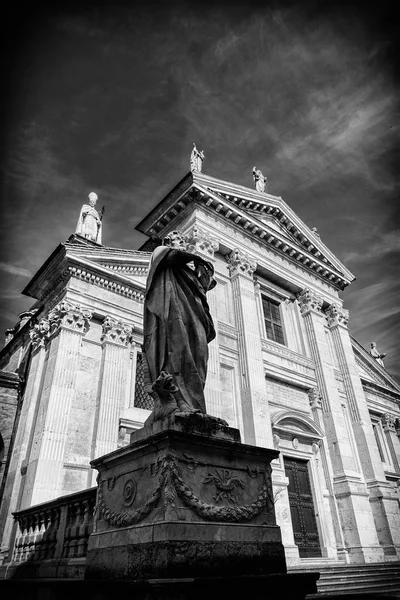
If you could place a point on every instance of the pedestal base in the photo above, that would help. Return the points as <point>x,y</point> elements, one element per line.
<point>185,499</point>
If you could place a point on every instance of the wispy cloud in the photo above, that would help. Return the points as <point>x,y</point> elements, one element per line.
<point>14,269</point>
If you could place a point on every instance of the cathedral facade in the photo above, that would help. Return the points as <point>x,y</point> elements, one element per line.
<point>283,369</point>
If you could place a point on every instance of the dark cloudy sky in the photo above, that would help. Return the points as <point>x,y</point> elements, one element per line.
<point>110,99</point>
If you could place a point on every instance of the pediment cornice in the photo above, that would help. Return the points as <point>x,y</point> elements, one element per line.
<point>123,271</point>
<point>245,209</point>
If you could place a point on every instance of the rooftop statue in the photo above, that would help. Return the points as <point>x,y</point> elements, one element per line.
<point>89,223</point>
<point>377,355</point>
<point>177,328</point>
<point>259,180</point>
<point>196,159</point>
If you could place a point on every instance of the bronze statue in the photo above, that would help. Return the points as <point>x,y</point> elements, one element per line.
<point>177,328</point>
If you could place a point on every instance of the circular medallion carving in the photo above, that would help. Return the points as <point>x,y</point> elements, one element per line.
<point>129,492</point>
<point>295,443</point>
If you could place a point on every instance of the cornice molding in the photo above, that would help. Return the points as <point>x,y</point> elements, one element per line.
<point>233,203</point>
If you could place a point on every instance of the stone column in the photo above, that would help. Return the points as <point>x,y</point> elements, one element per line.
<point>200,242</point>
<point>23,439</point>
<point>332,511</point>
<point>349,486</point>
<point>282,505</point>
<point>379,488</point>
<point>255,407</point>
<point>68,324</point>
<point>116,338</point>
<point>393,442</point>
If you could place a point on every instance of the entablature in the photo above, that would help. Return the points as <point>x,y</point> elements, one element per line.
<point>233,202</point>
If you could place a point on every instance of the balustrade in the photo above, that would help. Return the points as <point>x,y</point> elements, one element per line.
<point>56,529</point>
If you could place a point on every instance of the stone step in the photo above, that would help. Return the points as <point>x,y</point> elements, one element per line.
<point>377,578</point>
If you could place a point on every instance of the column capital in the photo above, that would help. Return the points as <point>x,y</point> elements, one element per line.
<point>388,422</point>
<point>314,398</point>
<point>201,242</point>
<point>69,316</point>
<point>336,315</point>
<point>116,332</point>
<point>309,300</point>
<point>40,334</point>
<point>240,263</point>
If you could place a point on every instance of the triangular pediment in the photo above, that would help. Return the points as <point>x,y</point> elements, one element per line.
<point>262,215</point>
<point>371,372</point>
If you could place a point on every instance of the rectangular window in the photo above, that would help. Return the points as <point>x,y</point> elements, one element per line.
<point>272,320</point>
<point>142,398</point>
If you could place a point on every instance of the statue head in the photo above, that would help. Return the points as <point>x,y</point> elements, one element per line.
<point>373,344</point>
<point>175,239</point>
<point>93,197</point>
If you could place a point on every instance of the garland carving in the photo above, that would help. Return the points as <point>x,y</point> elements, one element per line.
<point>171,481</point>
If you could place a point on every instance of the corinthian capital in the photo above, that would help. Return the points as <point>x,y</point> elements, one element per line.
<point>200,242</point>
<point>69,316</point>
<point>389,422</point>
<point>336,315</point>
<point>309,300</point>
<point>116,331</point>
<point>240,263</point>
<point>40,333</point>
<point>315,398</point>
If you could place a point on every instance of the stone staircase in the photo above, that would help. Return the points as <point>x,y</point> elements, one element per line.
<point>347,580</point>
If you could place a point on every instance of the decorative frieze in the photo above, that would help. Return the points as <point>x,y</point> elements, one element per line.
<point>388,422</point>
<point>69,316</point>
<point>201,242</point>
<point>315,398</point>
<point>116,331</point>
<point>124,290</point>
<point>309,300</point>
<point>240,263</point>
<point>291,355</point>
<point>336,315</point>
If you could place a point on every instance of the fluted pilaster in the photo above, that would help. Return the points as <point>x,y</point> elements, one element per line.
<point>68,323</point>
<point>255,408</point>
<point>389,422</point>
<point>116,338</point>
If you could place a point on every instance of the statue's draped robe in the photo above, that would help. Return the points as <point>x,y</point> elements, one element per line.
<point>88,226</point>
<point>177,327</point>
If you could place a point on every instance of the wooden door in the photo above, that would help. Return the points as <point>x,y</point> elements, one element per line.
<point>302,508</point>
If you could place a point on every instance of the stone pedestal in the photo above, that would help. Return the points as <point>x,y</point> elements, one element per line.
<point>185,499</point>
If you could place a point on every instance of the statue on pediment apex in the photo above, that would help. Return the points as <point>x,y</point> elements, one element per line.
<point>376,354</point>
<point>196,159</point>
<point>89,222</point>
<point>260,181</point>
